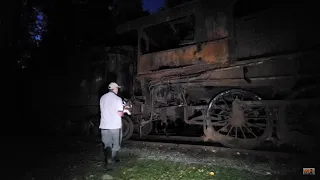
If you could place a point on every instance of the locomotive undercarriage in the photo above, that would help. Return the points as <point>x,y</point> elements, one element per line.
<point>233,115</point>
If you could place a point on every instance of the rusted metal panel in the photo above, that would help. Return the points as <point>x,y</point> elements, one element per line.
<point>216,26</point>
<point>212,24</point>
<point>206,53</point>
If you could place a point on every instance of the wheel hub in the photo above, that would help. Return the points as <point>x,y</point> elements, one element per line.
<point>237,115</point>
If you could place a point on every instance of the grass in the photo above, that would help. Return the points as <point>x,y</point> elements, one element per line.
<point>140,169</point>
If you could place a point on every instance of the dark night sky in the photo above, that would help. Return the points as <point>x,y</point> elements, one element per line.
<point>153,5</point>
<point>150,5</point>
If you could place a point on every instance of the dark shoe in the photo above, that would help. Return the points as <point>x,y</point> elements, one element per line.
<point>116,158</point>
<point>108,158</point>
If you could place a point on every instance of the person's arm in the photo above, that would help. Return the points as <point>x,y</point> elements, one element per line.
<point>119,107</point>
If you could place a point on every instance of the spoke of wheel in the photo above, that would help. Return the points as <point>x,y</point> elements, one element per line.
<point>216,118</point>
<point>222,115</point>
<point>250,131</point>
<point>218,107</point>
<point>218,123</point>
<point>223,127</point>
<point>236,132</point>
<point>243,133</point>
<point>230,130</point>
<point>255,125</point>
<point>242,96</point>
<point>225,102</point>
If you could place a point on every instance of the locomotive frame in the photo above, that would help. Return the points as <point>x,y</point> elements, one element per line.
<point>215,69</point>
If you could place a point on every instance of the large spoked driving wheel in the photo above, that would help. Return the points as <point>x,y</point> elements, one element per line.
<point>234,124</point>
<point>127,127</point>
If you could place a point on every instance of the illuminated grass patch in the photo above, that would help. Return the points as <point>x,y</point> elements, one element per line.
<point>141,169</point>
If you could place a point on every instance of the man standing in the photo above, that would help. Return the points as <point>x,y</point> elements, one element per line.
<point>111,107</point>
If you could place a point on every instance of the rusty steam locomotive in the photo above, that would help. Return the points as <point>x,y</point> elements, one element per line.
<point>240,72</point>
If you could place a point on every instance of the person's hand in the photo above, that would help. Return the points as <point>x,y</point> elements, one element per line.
<point>120,114</point>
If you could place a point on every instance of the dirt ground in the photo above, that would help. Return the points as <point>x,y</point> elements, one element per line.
<point>45,158</point>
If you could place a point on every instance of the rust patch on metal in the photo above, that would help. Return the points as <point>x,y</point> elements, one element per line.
<point>205,53</point>
<point>216,26</point>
